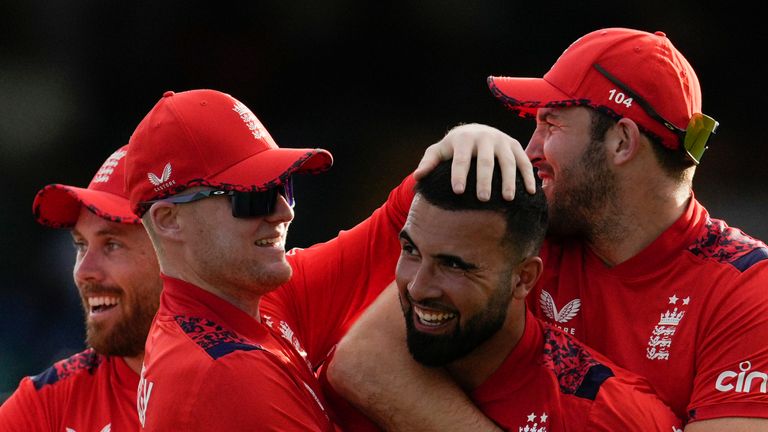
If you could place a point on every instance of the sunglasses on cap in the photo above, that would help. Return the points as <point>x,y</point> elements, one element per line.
<point>694,137</point>
<point>244,204</point>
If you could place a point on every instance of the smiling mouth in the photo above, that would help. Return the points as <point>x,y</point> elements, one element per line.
<point>102,303</point>
<point>270,242</point>
<point>432,318</point>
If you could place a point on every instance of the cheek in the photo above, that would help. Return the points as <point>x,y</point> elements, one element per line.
<point>403,274</point>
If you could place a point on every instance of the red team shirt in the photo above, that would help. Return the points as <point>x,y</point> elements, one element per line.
<point>550,382</point>
<point>209,366</point>
<point>86,392</point>
<point>90,392</point>
<point>689,312</point>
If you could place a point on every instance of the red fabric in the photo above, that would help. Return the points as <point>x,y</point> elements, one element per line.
<point>536,389</point>
<point>647,63</point>
<point>206,137</point>
<point>209,366</point>
<point>540,385</point>
<point>689,308</point>
<point>86,392</point>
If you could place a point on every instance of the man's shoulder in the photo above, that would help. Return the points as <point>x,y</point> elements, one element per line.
<point>215,339</point>
<point>83,364</point>
<point>719,243</point>
<point>578,370</point>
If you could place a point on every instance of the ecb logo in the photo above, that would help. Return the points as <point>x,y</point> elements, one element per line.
<point>743,381</point>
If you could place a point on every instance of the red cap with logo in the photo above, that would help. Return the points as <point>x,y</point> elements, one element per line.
<point>58,205</point>
<point>647,63</point>
<point>208,138</point>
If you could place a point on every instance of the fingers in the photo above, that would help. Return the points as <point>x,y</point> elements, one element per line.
<point>462,158</point>
<point>429,161</point>
<point>489,145</point>
<point>526,169</point>
<point>506,159</point>
<point>485,163</point>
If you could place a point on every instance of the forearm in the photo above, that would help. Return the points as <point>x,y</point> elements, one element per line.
<point>374,371</point>
<point>731,424</point>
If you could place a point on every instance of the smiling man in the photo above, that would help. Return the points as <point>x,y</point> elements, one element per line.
<point>242,325</point>
<point>117,277</point>
<point>465,270</point>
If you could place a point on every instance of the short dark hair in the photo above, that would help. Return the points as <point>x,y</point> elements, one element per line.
<point>526,215</point>
<point>673,162</point>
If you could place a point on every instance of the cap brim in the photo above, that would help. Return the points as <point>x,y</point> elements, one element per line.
<point>58,206</point>
<point>526,95</point>
<point>269,167</point>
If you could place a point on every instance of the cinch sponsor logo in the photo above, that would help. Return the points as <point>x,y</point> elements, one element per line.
<point>744,381</point>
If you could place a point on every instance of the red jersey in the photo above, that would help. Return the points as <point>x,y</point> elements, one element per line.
<point>689,312</point>
<point>86,392</point>
<point>551,382</point>
<point>210,366</point>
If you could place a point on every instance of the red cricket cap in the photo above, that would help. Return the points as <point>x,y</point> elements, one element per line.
<point>647,63</point>
<point>208,138</point>
<point>58,205</point>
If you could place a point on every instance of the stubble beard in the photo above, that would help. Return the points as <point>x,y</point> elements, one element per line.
<point>127,336</point>
<point>584,205</point>
<point>440,350</point>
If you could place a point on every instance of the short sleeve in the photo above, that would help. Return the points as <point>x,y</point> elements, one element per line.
<point>25,411</point>
<point>630,405</point>
<point>732,355</point>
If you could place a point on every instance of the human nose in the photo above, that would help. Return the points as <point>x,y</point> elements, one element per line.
<point>283,211</point>
<point>88,267</point>
<point>535,145</point>
<point>422,286</point>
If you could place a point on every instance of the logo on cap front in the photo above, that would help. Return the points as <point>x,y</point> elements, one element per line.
<point>164,181</point>
<point>108,167</point>
<point>248,118</point>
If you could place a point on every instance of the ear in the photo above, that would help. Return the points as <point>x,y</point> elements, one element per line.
<point>624,141</point>
<point>164,218</point>
<point>529,271</point>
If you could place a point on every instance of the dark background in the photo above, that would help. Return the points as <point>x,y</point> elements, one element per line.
<point>373,82</point>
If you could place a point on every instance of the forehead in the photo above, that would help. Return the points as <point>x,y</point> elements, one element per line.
<point>564,114</point>
<point>465,233</point>
<point>89,224</point>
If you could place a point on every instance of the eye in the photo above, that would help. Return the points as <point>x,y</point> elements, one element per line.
<point>455,264</point>
<point>80,246</point>
<point>409,250</point>
<point>112,245</point>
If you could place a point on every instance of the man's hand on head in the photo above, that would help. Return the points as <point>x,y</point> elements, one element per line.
<point>489,145</point>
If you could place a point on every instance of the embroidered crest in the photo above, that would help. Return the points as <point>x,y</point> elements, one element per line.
<point>660,340</point>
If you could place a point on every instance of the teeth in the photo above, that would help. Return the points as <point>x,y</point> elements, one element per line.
<point>433,318</point>
<point>103,301</point>
<point>268,242</point>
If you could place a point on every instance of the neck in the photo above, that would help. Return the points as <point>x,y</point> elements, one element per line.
<point>641,216</point>
<point>243,298</point>
<point>135,362</point>
<point>473,369</point>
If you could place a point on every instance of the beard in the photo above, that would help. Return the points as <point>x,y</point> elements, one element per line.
<point>584,198</point>
<point>125,337</point>
<point>440,350</point>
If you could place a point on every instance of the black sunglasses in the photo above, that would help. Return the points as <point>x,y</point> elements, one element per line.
<point>244,204</point>
<point>694,138</point>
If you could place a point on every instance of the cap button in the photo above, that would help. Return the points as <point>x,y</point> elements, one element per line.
<point>660,33</point>
<point>169,93</point>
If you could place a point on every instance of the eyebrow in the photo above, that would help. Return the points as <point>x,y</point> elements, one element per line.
<point>442,257</point>
<point>102,232</point>
<point>551,114</point>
